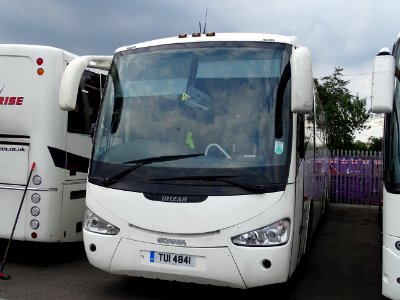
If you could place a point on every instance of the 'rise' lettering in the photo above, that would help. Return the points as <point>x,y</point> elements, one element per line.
<point>11,100</point>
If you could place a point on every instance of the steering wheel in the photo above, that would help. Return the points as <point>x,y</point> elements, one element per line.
<point>219,147</point>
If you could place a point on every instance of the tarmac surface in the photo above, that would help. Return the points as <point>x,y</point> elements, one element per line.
<point>343,263</point>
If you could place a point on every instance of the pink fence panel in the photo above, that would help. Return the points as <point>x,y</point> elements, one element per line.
<point>356,178</point>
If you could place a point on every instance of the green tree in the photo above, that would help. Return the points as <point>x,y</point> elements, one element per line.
<point>345,113</point>
<point>375,143</point>
<point>360,146</point>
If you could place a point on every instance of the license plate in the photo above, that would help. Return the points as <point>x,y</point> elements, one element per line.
<point>172,258</point>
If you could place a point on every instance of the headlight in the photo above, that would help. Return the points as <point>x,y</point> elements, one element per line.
<point>96,224</point>
<point>271,235</point>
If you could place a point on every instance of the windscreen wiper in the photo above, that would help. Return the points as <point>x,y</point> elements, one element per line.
<point>106,181</point>
<point>255,189</point>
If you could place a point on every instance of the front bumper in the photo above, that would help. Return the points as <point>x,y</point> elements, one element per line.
<point>233,266</point>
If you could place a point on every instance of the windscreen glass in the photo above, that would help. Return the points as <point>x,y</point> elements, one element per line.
<point>219,112</point>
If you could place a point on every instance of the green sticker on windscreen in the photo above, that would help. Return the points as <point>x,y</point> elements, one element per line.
<point>189,140</point>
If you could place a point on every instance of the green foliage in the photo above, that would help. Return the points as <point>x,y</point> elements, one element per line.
<point>375,143</point>
<point>360,146</point>
<point>345,113</point>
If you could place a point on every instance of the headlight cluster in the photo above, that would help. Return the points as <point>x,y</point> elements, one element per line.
<point>272,235</point>
<point>95,224</point>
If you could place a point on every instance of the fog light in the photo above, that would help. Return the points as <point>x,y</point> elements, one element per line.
<point>34,224</point>
<point>266,263</point>
<point>35,198</point>
<point>37,180</point>
<point>35,211</point>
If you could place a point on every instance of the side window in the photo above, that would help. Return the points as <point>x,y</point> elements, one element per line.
<point>320,125</point>
<point>87,103</point>
<point>309,131</point>
<point>300,137</point>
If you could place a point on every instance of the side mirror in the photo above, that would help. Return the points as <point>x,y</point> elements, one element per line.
<point>302,81</point>
<point>72,77</point>
<point>383,82</point>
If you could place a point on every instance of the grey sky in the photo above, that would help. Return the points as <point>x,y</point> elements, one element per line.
<point>338,33</point>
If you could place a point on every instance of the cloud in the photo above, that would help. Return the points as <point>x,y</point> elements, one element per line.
<point>338,33</point>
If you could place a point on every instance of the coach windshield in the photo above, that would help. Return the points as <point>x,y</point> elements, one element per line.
<point>196,118</point>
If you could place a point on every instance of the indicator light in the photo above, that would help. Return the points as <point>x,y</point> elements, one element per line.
<point>35,198</point>
<point>39,61</point>
<point>37,180</point>
<point>34,224</point>
<point>34,235</point>
<point>35,211</point>
<point>40,71</point>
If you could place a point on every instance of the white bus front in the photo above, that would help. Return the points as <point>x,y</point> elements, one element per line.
<point>192,176</point>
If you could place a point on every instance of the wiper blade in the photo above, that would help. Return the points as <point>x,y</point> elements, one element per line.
<point>195,177</point>
<point>106,181</point>
<point>255,189</point>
